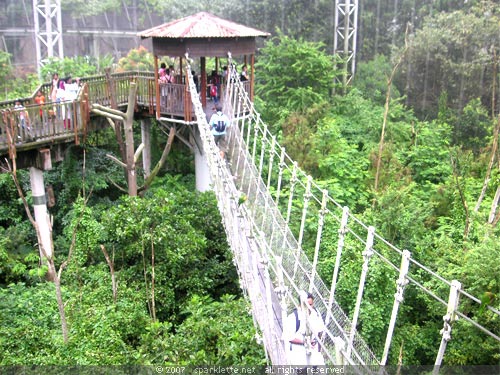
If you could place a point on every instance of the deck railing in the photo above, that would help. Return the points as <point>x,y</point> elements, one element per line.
<point>70,120</point>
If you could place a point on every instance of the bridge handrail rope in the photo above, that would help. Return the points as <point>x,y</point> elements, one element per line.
<point>267,154</point>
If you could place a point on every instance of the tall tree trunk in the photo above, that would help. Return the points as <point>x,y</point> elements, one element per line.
<point>463,79</point>
<point>145,273</point>
<point>315,29</point>
<point>129,141</point>
<point>494,148</point>
<point>60,304</point>
<point>110,262</point>
<point>377,28</point>
<point>409,65</point>
<point>153,308</point>
<point>494,84</point>
<point>386,110</point>
<point>361,27</point>
<point>456,175</point>
<point>395,21</point>
<point>426,71</point>
<point>494,215</point>
<point>283,13</point>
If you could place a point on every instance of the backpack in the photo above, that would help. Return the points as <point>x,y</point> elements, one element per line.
<point>213,90</point>
<point>220,125</point>
<point>297,321</point>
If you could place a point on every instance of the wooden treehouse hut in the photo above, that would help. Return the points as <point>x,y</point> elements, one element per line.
<point>199,36</point>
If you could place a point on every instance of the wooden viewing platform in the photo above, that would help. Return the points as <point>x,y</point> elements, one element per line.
<point>198,36</point>
<point>71,121</point>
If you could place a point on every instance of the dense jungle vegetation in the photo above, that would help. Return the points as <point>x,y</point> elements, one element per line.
<point>411,146</point>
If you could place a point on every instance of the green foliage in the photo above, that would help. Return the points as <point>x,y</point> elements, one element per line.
<point>404,216</point>
<point>84,8</point>
<point>298,135</point>
<point>428,156</point>
<point>477,268</point>
<point>371,79</point>
<point>190,254</point>
<point>472,127</point>
<point>5,66</point>
<point>293,75</point>
<point>451,53</point>
<point>192,263</point>
<point>78,66</point>
<point>17,234</point>
<point>215,333</point>
<point>139,59</point>
<point>341,166</point>
<point>15,84</point>
<point>5,70</point>
<point>83,172</point>
<point>30,324</point>
<point>359,120</point>
<point>103,332</point>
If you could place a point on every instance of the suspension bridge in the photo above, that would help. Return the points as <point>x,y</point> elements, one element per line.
<point>280,224</point>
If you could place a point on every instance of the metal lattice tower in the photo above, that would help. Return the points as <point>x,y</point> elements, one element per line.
<point>346,28</point>
<point>48,30</point>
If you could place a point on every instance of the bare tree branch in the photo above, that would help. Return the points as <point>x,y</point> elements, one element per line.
<point>112,271</point>
<point>386,108</point>
<point>487,178</point>
<point>117,161</point>
<point>116,185</point>
<point>161,162</point>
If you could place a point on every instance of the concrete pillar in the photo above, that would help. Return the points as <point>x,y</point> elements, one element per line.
<point>203,180</point>
<point>40,209</point>
<point>146,141</point>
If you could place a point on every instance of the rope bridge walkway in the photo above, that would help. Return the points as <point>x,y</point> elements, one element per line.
<point>262,194</point>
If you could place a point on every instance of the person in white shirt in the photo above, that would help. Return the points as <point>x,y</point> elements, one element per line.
<point>219,123</point>
<point>301,331</point>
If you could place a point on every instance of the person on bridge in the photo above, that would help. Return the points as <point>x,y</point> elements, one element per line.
<point>40,100</point>
<point>244,73</point>
<point>219,123</point>
<point>54,87</point>
<point>301,332</point>
<point>163,80</point>
<point>24,120</point>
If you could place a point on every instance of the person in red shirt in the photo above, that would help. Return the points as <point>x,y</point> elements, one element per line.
<point>40,100</point>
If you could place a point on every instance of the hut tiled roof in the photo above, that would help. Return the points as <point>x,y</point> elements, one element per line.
<point>201,25</point>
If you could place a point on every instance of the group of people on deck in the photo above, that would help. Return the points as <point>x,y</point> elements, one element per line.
<point>166,76</point>
<point>215,81</point>
<point>62,92</point>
